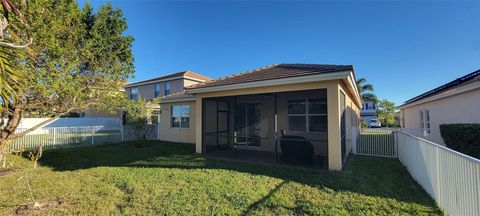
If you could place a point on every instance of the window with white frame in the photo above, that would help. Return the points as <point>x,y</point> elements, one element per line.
<point>422,122</point>
<point>134,93</point>
<point>425,121</point>
<point>307,115</point>
<point>157,89</point>
<point>180,116</point>
<point>167,88</point>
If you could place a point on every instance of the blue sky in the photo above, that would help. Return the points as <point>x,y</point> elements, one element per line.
<point>402,48</point>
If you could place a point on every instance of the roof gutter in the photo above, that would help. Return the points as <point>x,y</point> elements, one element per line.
<point>274,82</point>
<point>174,100</point>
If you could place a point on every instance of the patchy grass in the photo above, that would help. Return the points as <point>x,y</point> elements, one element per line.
<point>167,178</point>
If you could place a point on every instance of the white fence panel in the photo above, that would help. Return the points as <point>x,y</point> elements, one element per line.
<point>374,142</point>
<point>451,178</point>
<point>61,137</point>
<point>107,123</point>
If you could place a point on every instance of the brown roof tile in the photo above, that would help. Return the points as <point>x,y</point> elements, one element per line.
<point>277,71</point>
<point>178,95</point>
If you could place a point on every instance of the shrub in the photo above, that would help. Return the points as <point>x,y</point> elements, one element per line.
<point>464,138</point>
<point>363,123</point>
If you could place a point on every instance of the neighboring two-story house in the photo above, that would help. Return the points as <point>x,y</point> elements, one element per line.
<point>163,86</point>
<point>369,110</point>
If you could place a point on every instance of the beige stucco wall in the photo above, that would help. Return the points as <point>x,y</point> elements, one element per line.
<point>333,90</point>
<point>462,106</point>
<point>187,82</point>
<point>167,133</point>
<point>352,112</point>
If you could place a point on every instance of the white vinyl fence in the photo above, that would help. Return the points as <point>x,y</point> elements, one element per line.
<point>374,142</point>
<point>71,122</point>
<point>63,137</point>
<point>451,178</point>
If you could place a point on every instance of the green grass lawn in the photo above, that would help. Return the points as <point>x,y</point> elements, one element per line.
<point>168,178</point>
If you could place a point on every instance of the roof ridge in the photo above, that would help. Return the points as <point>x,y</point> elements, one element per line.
<point>312,65</point>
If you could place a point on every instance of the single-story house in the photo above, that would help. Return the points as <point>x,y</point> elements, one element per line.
<point>455,102</point>
<point>250,112</point>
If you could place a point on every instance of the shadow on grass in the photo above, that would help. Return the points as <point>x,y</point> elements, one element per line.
<point>370,176</point>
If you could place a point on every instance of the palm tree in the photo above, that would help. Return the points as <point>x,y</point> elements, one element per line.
<point>366,90</point>
<point>9,77</point>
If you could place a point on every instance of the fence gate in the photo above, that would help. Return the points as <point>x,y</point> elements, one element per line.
<point>374,142</point>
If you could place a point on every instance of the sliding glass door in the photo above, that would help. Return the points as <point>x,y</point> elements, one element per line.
<point>247,124</point>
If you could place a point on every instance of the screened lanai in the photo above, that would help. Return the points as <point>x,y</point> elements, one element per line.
<point>284,127</point>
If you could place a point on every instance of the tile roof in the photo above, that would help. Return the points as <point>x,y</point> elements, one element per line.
<point>452,84</point>
<point>173,75</point>
<point>276,71</point>
<point>178,95</point>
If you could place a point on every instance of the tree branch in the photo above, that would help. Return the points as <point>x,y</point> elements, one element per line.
<point>12,45</point>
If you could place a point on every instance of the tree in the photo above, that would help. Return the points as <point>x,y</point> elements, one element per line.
<point>386,111</point>
<point>9,76</point>
<point>366,90</point>
<point>138,114</point>
<point>79,61</point>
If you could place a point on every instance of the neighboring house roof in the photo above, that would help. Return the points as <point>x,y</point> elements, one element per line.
<point>177,97</point>
<point>276,71</point>
<point>178,75</point>
<point>455,83</point>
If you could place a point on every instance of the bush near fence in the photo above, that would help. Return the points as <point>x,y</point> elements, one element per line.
<point>464,138</point>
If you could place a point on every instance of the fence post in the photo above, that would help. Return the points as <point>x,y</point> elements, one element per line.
<point>439,194</point>
<point>122,133</point>
<point>395,143</point>
<point>354,140</point>
<point>92,134</point>
<point>54,137</point>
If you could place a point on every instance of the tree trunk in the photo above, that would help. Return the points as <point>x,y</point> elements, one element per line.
<point>14,117</point>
